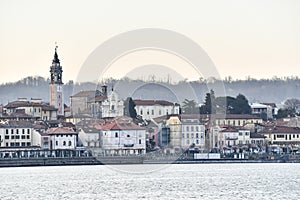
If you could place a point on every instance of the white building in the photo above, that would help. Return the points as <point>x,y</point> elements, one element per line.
<point>89,137</point>
<point>149,109</point>
<point>122,136</point>
<point>16,134</point>
<point>62,138</point>
<point>269,109</point>
<point>112,106</point>
<point>193,133</point>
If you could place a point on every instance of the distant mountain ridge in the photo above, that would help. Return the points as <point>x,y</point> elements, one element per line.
<point>266,90</point>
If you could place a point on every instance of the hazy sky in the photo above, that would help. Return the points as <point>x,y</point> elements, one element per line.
<point>259,38</point>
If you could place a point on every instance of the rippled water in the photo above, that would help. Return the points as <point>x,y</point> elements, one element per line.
<point>182,181</point>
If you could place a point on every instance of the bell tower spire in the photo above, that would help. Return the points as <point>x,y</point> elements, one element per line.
<point>56,84</point>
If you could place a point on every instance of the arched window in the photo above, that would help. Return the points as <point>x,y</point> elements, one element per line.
<point>64,143</point>
<point>70,143</point>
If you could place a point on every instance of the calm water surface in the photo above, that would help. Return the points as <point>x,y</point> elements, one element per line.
<point>182,181</point>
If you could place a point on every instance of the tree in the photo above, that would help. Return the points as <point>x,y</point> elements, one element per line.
<point>130,108</point>
<point>189,107</point>
<point>241,105</point>
<point>291,104</point>
<point>282,113</point>
<point>209,106</point>
<point>231,105</point>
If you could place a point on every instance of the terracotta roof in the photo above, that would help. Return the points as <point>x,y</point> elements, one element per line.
<point>236,116</point>
<point>97,99</point>
<point>19,124</point>
<point>121,123</point>
<point>140,102</point>
<point>16,104</point>
<point>281,129</point>
<point>48,108</point>
<point>87,93</point>
<point>61,130</point>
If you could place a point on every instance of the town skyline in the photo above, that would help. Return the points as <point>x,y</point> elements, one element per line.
<point>259,38</point>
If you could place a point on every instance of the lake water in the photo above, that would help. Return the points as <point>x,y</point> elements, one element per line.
<point>180,181</point>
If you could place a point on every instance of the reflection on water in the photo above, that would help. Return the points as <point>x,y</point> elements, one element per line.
<point>182,181</point>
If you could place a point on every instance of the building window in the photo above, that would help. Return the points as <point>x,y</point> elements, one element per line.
<point>70,143</point>
<point>7,137</point>
<point>141,112</point>
<point>247,133</point>
<point>197,135</point>
<point>197,128</point>
<point>23,131</point>
<point>12,137</point>
<point>182,135</point>
<point>192,135</point>
<point>6,131</point>
<point>23,144</point>
<point>187,135</point>
<point>152,112</point>
<point>192,128</point>
<point>64,143</point>
<point>12,144</point>
<point>17,137</point>
<point>197,141</point>
<point>23,137</point>
<point>240,133</point>
<point>56,143</point>
<point>187,141</point>
<point>159,112</point>
<point>12,131</point>
<point>128,135</point>
<point>17,131</point>
<point>113,107</point>
<point>28,144</point>
<point>187,128</point>
<point>28,137</point>
<point>28,131</point>
<point>240,142</point>
<point>116,134</point>
<point>140,141</point>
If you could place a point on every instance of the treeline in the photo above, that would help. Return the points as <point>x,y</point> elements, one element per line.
<point>275,90</point>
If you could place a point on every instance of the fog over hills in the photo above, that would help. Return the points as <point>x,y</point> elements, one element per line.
<point>266,90</point>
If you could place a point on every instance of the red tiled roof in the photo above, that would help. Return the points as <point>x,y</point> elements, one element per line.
<point>16,104</point>
<point>154,102</point>
<point>48,108</point>
<point>97,99</point>
<point>121,124</point>
<point>88,93</point>
<point>281,129</point>
<point>61,130</point>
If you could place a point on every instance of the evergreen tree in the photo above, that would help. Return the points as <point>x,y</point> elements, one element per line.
<point>189,107</point>
<point>130,108</point>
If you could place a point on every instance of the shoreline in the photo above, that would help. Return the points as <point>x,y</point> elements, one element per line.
<point>30,162</point>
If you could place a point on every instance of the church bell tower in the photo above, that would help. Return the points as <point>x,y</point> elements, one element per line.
<point>56,85</point>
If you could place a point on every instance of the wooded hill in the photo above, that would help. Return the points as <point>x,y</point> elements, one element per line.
<point>274,90</point>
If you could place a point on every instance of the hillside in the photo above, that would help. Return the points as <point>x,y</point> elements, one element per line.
<point>266,90</point>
